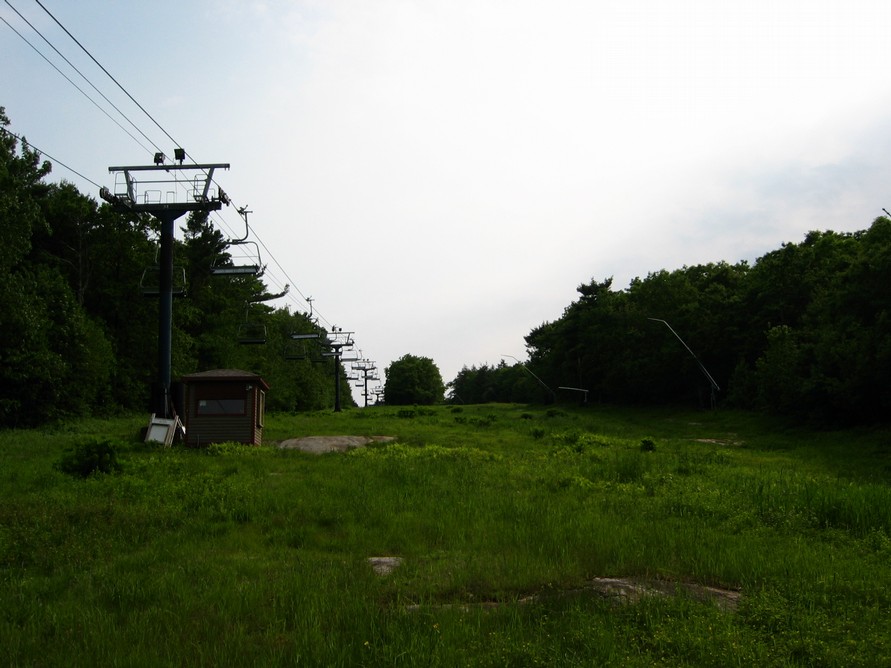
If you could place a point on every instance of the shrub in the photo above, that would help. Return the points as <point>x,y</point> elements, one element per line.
<point>486,421</point>
<point>89,457</point>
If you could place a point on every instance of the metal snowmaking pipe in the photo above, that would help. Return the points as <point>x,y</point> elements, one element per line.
<point>711,380</point>
<point>529,371</point>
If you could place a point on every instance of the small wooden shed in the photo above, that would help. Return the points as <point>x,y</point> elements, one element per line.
<point>223,405</point>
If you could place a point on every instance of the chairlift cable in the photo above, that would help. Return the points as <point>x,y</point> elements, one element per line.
<point>82,91</point>
<point>55,161</point>
<point>107,73</point>
<point>85,50</point>
<point>318,315</point>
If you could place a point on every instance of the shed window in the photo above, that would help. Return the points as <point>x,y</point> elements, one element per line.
<point>221,407</point>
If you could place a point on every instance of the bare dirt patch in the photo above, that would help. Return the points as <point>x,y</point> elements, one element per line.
<point>318,445</point>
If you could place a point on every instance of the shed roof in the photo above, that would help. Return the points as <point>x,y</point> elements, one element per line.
<point>226,375</point>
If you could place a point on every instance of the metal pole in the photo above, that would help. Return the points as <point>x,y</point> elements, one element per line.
<point>337,382</point>
<point>165,314</point>
<point>365,391</point>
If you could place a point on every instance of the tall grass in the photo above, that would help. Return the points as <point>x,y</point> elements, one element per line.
<point>504,518</point>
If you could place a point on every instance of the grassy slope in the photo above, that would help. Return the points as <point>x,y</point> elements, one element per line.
<point>235,556</point>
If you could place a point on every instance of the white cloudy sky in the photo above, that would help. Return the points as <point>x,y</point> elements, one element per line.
<point>440,175</point>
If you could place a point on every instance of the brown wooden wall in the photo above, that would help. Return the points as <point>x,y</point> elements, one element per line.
<point>217,428</point>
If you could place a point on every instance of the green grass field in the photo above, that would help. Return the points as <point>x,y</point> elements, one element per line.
<point>506,518</point>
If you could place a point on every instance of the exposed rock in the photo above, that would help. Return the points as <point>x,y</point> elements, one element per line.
<point>384,565</point>
<point>621,591</point>
<point>320,444</point>
<point>630,590</point>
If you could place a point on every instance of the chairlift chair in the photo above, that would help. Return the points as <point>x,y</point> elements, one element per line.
<point>252,265</point>
<point>251,333</point>
<point>249,268</point>
<point>296,350</point>
<point>150,282</point>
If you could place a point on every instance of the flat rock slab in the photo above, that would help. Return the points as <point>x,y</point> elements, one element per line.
<point>384,565</point>
<point>619,590</point>
<point>318,445</point>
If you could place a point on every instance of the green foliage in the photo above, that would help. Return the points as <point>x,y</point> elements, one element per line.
<point>78,339</point>
<point>483,420</point>
<point>502,383</point>
<point>803,333</point>
<point>89,458</point>
<point>413,380</point>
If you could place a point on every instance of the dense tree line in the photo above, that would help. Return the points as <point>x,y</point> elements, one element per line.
<point>77,336</point>
<point>805,332</point>
<point>501,383</point>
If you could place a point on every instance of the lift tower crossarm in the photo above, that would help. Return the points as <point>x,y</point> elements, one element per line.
<point>171,168</point>
<point>200,201</point>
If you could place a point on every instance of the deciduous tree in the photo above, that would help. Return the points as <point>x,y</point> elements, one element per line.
<point>413,380</point>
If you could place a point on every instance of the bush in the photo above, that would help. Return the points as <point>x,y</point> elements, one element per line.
<point>89,457</point>
<point>486,421</point>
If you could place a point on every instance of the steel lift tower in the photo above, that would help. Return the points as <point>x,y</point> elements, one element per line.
<point>167,192</point>
<point>336,340</point>
<point>367,368</point>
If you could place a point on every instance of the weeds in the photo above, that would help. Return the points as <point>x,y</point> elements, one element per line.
<point>90,458</point>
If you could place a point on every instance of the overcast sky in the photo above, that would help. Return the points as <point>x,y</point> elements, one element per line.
<point>440,176</point>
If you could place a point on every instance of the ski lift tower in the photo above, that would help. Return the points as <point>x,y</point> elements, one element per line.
<point>367,368</point>
<point>167,192</point>
<point>336,340</point>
